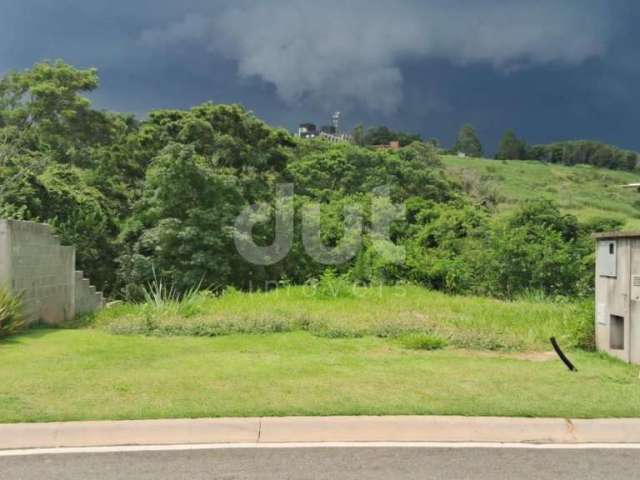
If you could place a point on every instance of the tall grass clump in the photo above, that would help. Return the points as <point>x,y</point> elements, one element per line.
<point>10,318</point>
<point>162,297</point>
<point>583,328</point>
<point>332,286</point>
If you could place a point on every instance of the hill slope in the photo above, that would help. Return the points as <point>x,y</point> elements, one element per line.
<point>582,190</point>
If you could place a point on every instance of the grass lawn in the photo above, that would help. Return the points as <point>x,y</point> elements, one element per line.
<point>582,190</point>
<point>296,351</point>
<point>50,375</point>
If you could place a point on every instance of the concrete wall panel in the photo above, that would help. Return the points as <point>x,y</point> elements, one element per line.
<point>612,298</point>
<point>35,266</point>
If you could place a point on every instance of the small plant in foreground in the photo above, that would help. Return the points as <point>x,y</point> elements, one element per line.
<point>10,319</point>
<point>331,285</point>
<point>158,293</point>
<point>423,342</point>
<point>160,296</point>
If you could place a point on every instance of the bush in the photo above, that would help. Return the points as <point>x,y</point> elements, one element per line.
<point>10,319</point>
<point>537,248</point>
<point>162,298</point>
<point>584,329</point>
<point>332,286</point>
<point>423,342</point>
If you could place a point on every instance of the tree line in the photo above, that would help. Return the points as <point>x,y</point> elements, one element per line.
<point>570,152</point>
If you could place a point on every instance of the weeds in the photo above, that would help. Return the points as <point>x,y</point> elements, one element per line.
<point>385,312</point>
<point>10,318</point>
<point>332,286</point>
<point>163,299</point>
<point>423,342</point>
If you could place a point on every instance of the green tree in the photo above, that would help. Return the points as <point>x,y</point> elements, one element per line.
<point>45,107</point>
<point>180,231</point>
<point>536,248</point>
<point>359,135</point>
<point>511,147</point>
<point>60,195</point>
<point>468,142</point>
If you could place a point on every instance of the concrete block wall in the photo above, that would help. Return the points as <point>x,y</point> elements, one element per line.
<point>87,299</point>
<point>42,272</point>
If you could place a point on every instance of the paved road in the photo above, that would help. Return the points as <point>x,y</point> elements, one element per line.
<point>328,463</point>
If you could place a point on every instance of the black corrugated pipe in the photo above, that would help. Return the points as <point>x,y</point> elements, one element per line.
<point>562,356</point>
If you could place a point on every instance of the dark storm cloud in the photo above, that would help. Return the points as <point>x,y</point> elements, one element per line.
<point>350,51</point>
<point>552,69</point>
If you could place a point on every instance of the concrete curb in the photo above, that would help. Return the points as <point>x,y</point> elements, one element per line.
<point>319,429</point>
<point>128,432</point>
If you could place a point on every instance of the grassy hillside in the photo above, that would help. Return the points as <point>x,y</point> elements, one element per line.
<point>582,190</point>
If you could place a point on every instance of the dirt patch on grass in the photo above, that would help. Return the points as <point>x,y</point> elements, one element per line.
<point>525,356</point>
<point>534,356</point>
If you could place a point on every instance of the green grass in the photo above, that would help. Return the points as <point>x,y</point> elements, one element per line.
<point>381,351</point>
<point>582,190</point>
<point>464,322</point>
<point>418,341</point>
<point>59,375</point>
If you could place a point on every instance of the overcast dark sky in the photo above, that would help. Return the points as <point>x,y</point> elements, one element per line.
<point>550,69</point>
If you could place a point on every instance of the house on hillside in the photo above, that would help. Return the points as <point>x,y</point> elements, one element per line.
<point>330,133</point>
<point>307,130</point>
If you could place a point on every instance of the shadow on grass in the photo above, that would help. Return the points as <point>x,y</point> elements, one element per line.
<point>35,331</point>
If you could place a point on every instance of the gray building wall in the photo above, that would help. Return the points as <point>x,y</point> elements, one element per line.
<point>634,306</point>
<point>36,267</point>
<point>612,297</point>
<point>618,295</point>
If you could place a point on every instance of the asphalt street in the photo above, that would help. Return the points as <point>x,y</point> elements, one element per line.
<point>329,463</point>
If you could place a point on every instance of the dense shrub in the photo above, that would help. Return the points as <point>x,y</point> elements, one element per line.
<point>10,320</point>
<point>584,329</point>
<point>531,257</point>
<point>535,248</point>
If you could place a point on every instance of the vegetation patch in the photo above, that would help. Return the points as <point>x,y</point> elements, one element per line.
<point>59,375</point>
<point>383,311</point>
<point>156,200</point>
<point>10,317</point>
<point>423,342</point>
